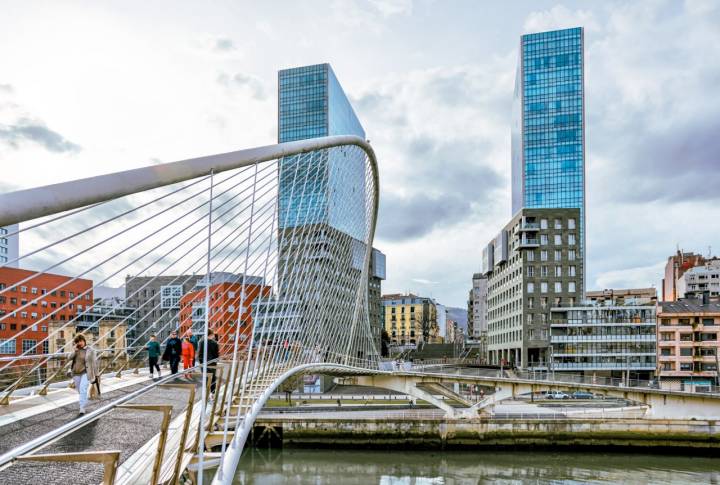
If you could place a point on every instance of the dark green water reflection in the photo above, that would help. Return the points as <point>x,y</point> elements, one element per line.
<point>328,467</point>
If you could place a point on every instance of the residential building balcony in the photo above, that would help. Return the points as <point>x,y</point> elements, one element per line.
<point>528,242</point>
<point>646,366</point>
<point>555,322</point>
<point>526,226</point>
<point>602,338</point>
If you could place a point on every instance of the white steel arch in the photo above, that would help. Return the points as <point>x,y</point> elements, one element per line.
<point>246,227</point>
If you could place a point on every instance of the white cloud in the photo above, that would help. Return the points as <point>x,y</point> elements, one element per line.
<point>561,17</point>
<point>143,85</point>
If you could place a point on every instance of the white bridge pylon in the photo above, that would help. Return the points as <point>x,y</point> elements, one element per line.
<point>269,247</point>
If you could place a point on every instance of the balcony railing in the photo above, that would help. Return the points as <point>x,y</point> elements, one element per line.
<point>602,338</point>
<point>560,322</point>
<point>528,242</point>
<point>603,366</point>
<point>529,226</point>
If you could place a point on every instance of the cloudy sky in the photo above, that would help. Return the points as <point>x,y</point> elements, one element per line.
<point>95,87</point>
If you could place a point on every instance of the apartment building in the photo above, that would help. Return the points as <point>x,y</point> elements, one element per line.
<point>230,303</point>
<point>410,319</point>
<point>676,266</point>
<point>700,279</point>
<point>687,343</point>
<point>155,301</point>
<point>30,301</point>
<point>614,339</point>
<point>533,265</point>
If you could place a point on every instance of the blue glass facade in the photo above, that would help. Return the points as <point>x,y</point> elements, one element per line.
<point>325,187</point>
<point>548,135</point>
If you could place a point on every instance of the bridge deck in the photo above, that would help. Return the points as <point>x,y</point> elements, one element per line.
<point>126,430</point>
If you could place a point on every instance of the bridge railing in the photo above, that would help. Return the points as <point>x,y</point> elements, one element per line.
<point>699,385</point>
<point>19,374</point>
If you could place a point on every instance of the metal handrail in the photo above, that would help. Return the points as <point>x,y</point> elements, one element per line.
<point>35,444</point>
<point>61,354</point>
<point>5,399</point>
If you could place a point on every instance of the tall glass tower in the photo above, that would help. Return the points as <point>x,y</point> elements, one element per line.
<point>548,128</point>
<point>313,104</point>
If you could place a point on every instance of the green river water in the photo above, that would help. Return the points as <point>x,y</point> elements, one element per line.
<point>330,467</point>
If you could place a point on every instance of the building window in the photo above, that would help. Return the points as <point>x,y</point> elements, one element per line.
<point>543,271</point>
<point>558,287</point>
<point>571,286</point>
<point>531,271</point>
<point>558,224</point>
<point>531,287</point>
<point>571,239</point>
<point>531,255</point>
<point>571,255</point>
<point>543,287</point>
<point>571,223</point>
<point>558,271</point>
<point>170,296</point>
<point>531,302</point>
<point>571,270</point>
<point>543,224</point>
<point>28,345</point>
<point>558,240</point>
<point>543,255</point>
<point>23,289</point>
<point>7,346</point>
<point>33,291</point>
<point>543,239</point>
<point>558,255</point>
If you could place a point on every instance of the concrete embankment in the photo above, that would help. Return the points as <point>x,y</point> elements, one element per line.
<point>425,433</point>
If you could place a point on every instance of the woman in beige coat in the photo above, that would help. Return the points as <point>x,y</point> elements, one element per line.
<point>83,368</point>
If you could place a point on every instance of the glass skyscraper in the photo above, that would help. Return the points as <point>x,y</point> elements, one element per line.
<point>313,104</point>
<point>322,205</point>
<point>548,132</point>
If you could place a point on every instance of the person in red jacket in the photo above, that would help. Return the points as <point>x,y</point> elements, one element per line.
<point>188,354</point>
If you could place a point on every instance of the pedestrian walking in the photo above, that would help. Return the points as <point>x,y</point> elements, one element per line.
<point>188,355</point>
<point>173,351</point>
<point>153,350</point>
<point>194,342</point>
<point>213,353</point>
<point>84,369</point>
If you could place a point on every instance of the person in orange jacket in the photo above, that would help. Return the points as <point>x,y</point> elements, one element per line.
<point>188,354</point>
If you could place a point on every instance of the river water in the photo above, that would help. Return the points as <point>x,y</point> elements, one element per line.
<point>331,467</point>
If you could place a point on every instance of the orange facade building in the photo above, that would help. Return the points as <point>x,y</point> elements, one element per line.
<point>688,346</point>
<point>227,301</point>
<point>29,301</point>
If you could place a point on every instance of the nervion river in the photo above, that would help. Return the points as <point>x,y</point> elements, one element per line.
<point>329,467</point>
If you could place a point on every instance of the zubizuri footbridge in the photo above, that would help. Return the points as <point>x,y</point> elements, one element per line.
<point>269,248</point>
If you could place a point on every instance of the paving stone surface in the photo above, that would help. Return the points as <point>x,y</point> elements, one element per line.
<point>125,430</point>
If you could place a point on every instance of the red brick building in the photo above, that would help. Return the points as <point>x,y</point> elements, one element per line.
<point>26,307</point>
<point>226,298</point>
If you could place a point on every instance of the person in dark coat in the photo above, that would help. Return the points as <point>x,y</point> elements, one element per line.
<point>173,351</point>
<point>153,349</point>
<point>213,353</point>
